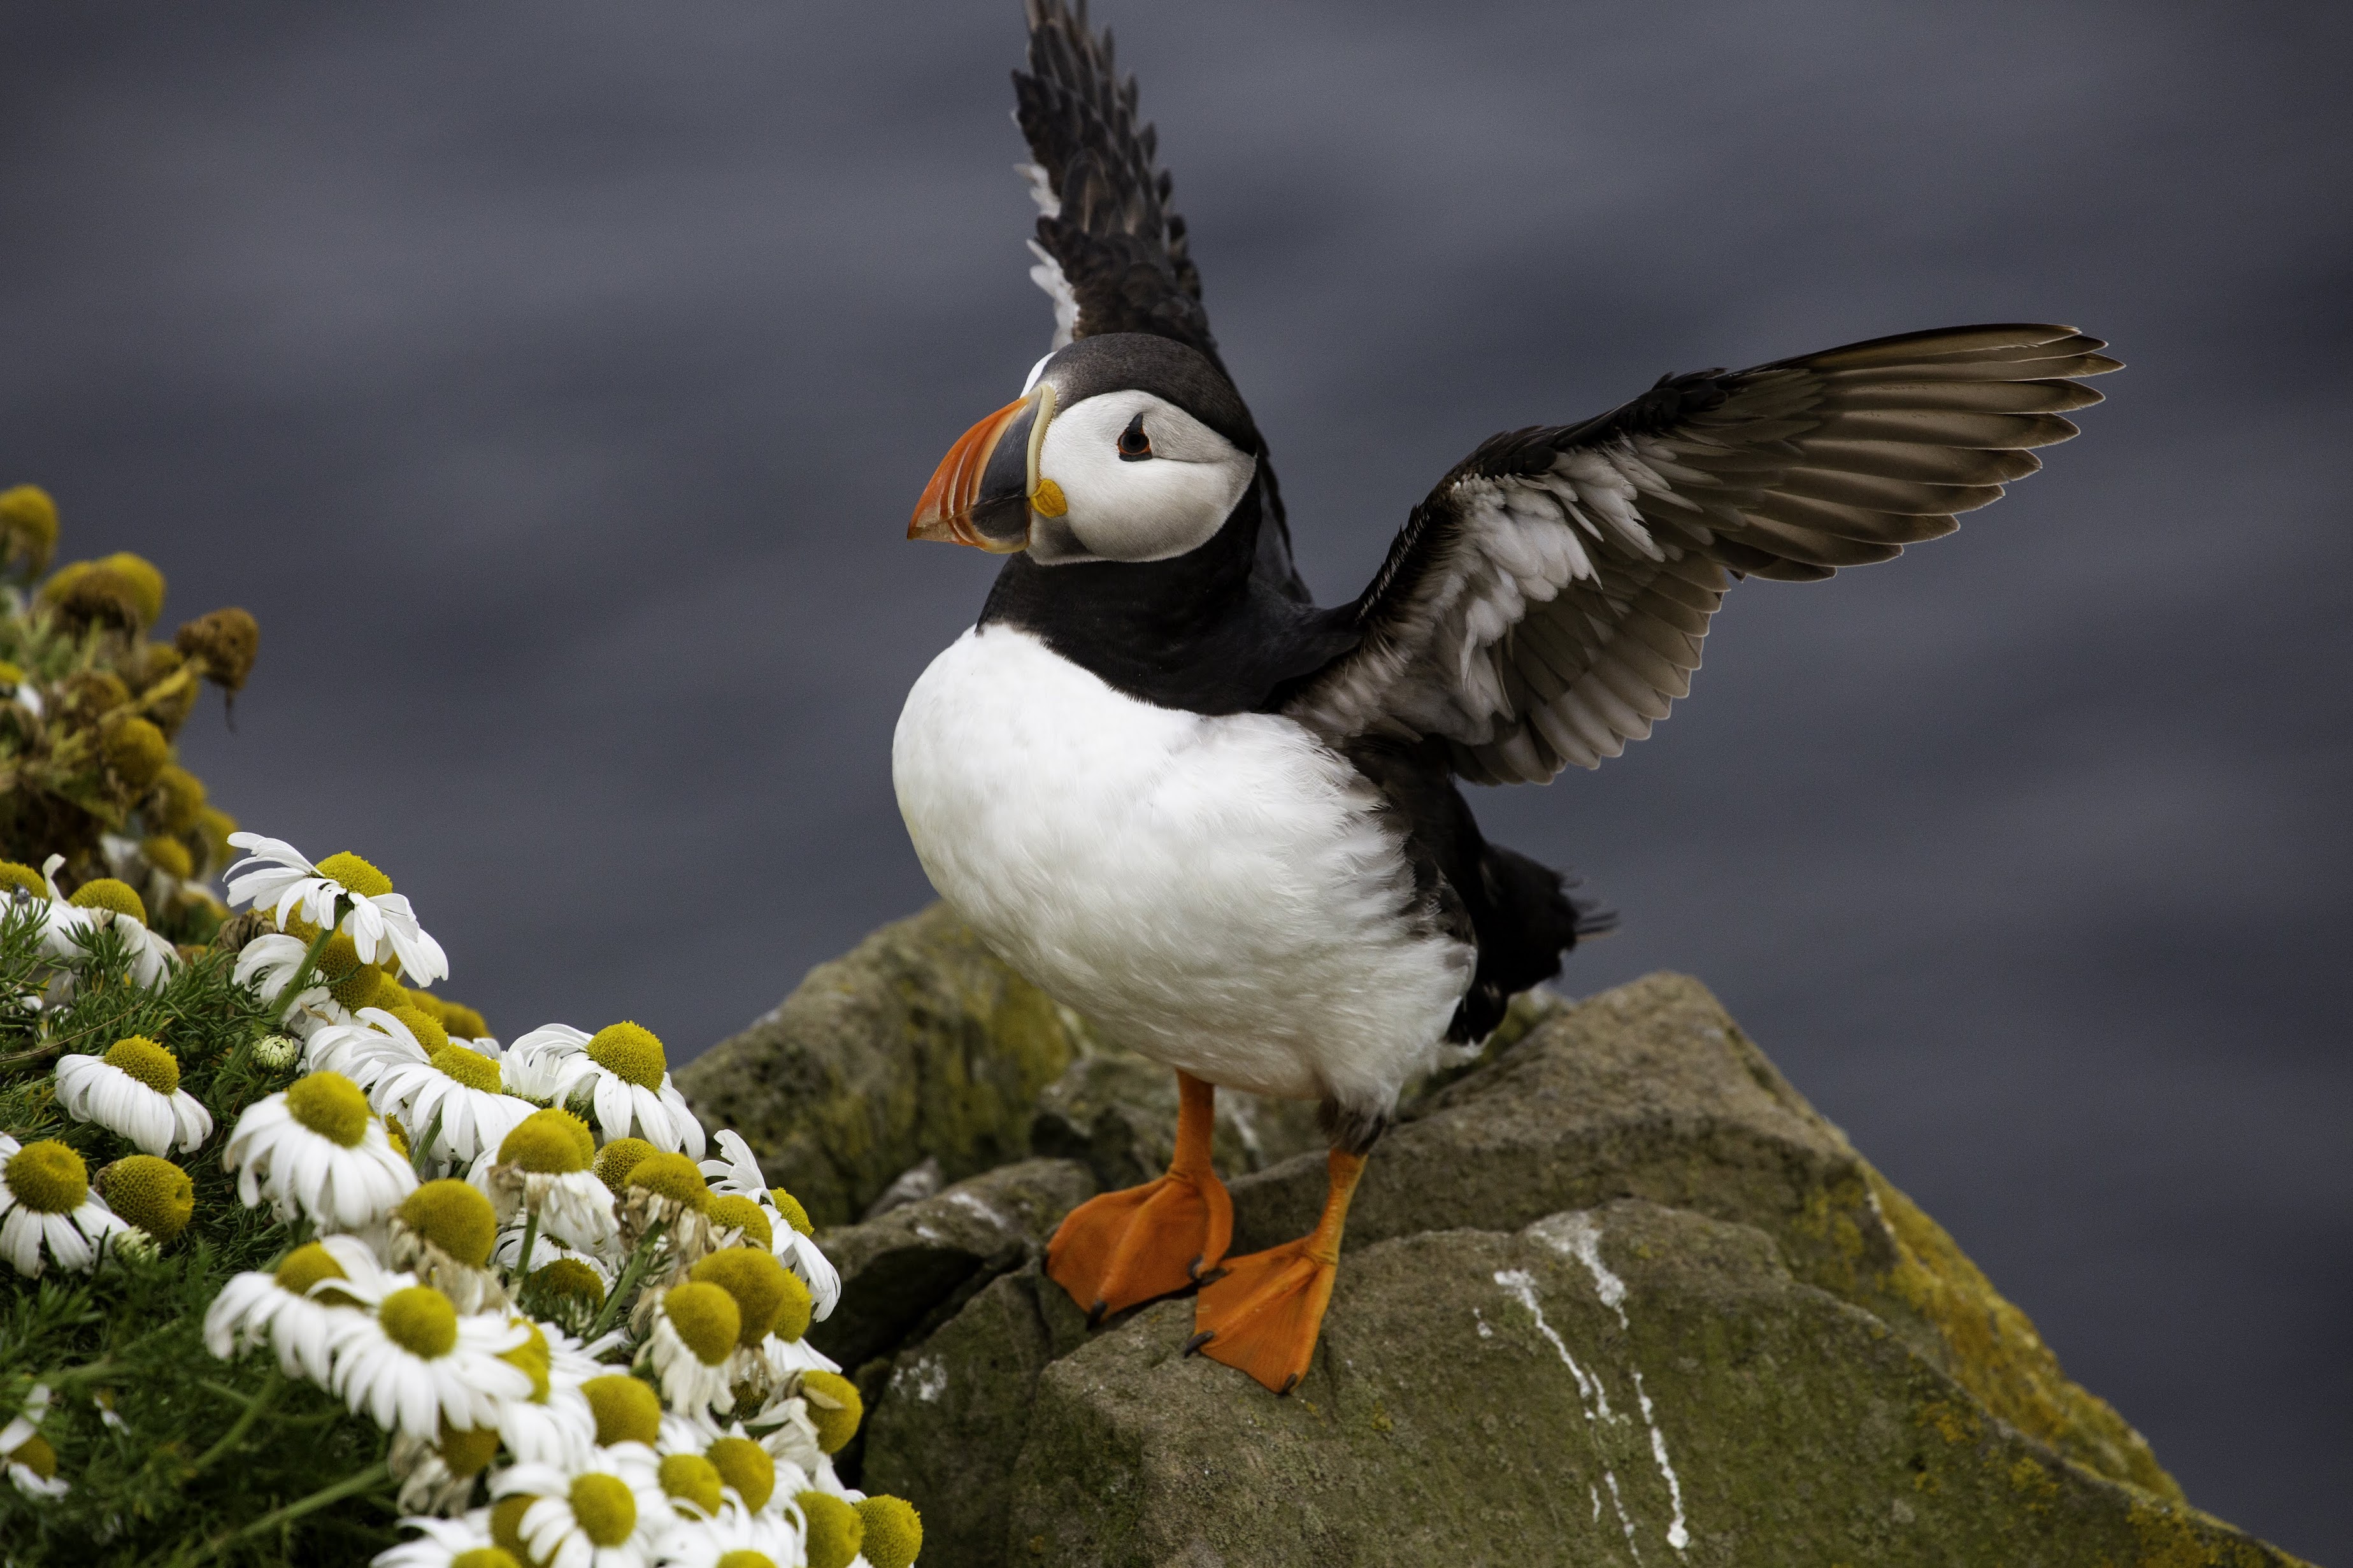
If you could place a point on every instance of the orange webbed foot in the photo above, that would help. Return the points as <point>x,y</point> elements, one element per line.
<point>1115,1251</point>
<point>1264,1315</point>
<point>1125,1247</point>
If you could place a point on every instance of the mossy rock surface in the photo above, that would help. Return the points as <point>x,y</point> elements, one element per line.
<point>1830,1378</point>
<point>1628,1384</point>
<point>918,1043</point>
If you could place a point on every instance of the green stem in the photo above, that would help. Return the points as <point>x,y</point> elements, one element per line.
<point>374,1476</point>
<point>303,972</point>
<point>631,1273</point>
<point>530,1240</point>
<point>254,1410</point>
<point>418,1154</point>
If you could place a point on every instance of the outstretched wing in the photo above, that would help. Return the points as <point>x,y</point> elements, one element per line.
<point>1545,604</point>
<point>1111,250</point>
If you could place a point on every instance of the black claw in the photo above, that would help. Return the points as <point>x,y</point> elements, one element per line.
<point>1095,1314</point>
<point>1198,1341</point>
<point>1193,1269</point>
<point>1288,1384</point>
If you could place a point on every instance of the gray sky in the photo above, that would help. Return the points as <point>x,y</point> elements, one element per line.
<point>554,382</point>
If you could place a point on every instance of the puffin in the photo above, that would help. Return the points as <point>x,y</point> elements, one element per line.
<point>1226,824</point>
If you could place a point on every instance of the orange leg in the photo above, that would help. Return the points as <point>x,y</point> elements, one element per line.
<point>1124,1247</point>
<point>1263,1314</point>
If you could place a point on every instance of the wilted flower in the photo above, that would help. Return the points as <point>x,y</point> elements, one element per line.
<point>736,1173</point>
<point>542,1168</point>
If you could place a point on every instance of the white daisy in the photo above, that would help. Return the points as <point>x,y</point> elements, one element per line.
<point>546,1249</point>
<point>439,1543</point>
<point>621,1071</point>
<point>554,1423</point>
<point>737,1537</point>
<point>692,1339</point>
<point>268,963</point>
<point>416,1360</point>
<point>70,925</point>
<point>47,1213</point>
<point>298,1307</point>
<point>314,1149</point>
<point>364,1046</point>
<point>26,1454</point>
<point>134,1091</point>
<point>276,875</point>
<point>737,1172</point>
<point>453,1099</point>
<point>607,1511</point>
<point>541,1168</point>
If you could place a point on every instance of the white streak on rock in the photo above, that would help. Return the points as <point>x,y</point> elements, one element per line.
<point>1678,1536</point>
<point>1620,1504</point>
<point>1577,1235</point>
<point>1523,1287</point>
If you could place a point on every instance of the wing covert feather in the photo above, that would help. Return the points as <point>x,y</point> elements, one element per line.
<point>1547,602</point>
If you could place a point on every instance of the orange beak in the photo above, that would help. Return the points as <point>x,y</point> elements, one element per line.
<point>981,491</point>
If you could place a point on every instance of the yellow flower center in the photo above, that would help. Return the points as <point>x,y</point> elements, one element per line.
<point>330,1105</point>
<point>145,580</point>
<point>152,1193</point>
<point>894,1532</point>
<point>732,1211</point>
<point>455,1217</point>
<point>744,1557</point>
<point>627,1410</point>
<point>488,1556</point>
<point>460,1020</point>
<point>532,1359</point>
<point>137,750</point>
<point>790,1207</point>
<point>108,893</point>
<point>615,1160</point>
<point>570,1277</point>
<point>178,800</point>
<point>577,1127</point>
<point>349,980</point>
<point>759,1284</point>
<point>14,874</point>
<point>629,1052</point>
<point>29,518</point>
<point>605,1509</point>
<point>168,855</point>
<point>396,1134</point>
<point>540,1143</point>
<point>36,1455</point>
<point>305,1267</point>
<point>421,1024</point>
<point>745,1466</point>
<point>466,1451</point>
<point>673,1176</point>
<point>690,1477</point>
<point>469,1066</point>
<point>355,876</point>
<point>506,1523</point>
<point>834,1409</point>
<point>420,1321</point>
<point>47,1177</point>
<point>706,1318</point>
<point>145,1061</point>
<point>835,1531</point>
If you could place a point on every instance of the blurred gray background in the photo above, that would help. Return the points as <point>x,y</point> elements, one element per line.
<point>554,382</point>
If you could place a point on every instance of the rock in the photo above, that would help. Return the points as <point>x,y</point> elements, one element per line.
<point>1828,1377</point>
<point>900,1270</point>
<point>910,1186</point>
<point>919,1044</point>
<point>1628,1384</point>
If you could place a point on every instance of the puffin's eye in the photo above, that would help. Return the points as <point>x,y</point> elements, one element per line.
<point>1135,446</point>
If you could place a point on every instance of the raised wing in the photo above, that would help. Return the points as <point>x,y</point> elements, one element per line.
<point>1546,603</point>
<point>1111,250</point>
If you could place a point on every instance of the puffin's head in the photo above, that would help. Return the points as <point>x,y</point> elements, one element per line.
<point>1124,447</point>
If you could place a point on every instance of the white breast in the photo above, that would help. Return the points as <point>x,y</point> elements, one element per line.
<point>1222,893</point>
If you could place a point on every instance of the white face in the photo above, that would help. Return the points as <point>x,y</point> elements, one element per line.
<point>1143,480</point>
